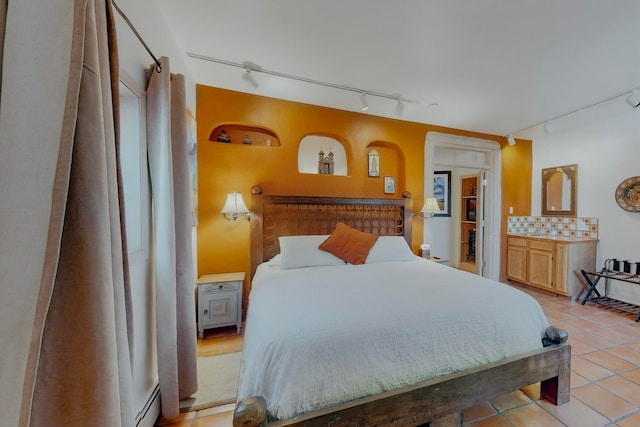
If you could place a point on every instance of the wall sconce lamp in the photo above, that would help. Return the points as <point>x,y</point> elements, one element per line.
<point>430,207</point>
<point>234,206</point>
<point>511,140</point>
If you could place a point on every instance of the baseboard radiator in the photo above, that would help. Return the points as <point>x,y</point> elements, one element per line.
<point>149,413</point>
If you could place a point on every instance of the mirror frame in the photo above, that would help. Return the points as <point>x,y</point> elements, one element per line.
<point>572,173</point>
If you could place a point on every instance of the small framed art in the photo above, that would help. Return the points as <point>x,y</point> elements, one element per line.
<point>389,184</point>
<point>442,191</point>
<point>373,163</point>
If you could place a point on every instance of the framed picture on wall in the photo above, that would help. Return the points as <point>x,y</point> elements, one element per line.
<point>442,191</point>
<point>373,163</point>
<point>389,184</point>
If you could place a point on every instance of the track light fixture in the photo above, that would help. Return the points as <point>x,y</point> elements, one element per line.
<point>249,67</point>
<point>399,108</point>
<point>633,100</point>
<point>511,140</point>
<point>248,77</point>
<point>364,105</point>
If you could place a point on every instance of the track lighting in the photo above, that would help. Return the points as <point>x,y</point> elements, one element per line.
<point>250,66</point>
<point>511,140</point>
<point>248,77</point>
<point>399,108</point>
<point>364,105</point>
<point>633,100</point>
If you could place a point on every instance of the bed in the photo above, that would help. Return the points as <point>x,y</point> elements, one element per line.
<point>391,339</point>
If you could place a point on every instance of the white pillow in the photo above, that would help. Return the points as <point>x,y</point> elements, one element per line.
<point>275,261</point>
<point>390,248</point>
<point>302,251</point>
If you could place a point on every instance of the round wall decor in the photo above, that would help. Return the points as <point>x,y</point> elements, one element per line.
<point>628,194</point>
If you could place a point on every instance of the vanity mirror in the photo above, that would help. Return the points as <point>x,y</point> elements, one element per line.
<point>559,189</point>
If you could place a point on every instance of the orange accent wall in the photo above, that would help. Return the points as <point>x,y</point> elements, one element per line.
<point>222,168</point>
<point>516,189</point>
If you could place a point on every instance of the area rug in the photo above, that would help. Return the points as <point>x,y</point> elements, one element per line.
<point>217,382</point>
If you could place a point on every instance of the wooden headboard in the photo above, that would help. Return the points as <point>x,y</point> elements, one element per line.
<point>275,216</point>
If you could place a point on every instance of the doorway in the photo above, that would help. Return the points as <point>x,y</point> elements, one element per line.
<point>464,156</point>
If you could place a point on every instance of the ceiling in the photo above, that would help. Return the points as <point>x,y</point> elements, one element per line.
<point>490,66</point>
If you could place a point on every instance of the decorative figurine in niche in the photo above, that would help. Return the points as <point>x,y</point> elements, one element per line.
<point>223,137</point>
<point>246,140</point>
<point>325,164</point>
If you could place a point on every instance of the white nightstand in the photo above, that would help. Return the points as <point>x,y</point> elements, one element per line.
<point>220,301</point>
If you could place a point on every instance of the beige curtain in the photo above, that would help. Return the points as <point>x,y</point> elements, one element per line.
<point>173,273</point>
<point>65,304</point>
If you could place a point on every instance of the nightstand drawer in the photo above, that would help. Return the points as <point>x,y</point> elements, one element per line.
<point>219,287</point>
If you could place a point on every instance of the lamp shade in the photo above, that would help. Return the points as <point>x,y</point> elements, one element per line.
<point>431,206</point>
<point>234,206</point>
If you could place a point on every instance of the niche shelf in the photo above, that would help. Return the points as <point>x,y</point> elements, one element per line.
<point>237,133</point>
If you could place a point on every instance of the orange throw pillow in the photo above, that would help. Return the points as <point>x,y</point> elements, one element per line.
<point>349,244</point>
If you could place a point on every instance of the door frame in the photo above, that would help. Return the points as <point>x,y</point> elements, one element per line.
<point>490,267</point>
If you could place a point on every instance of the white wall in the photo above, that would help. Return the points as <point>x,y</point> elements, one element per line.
<point>607,152</point>
<point>150,23</point>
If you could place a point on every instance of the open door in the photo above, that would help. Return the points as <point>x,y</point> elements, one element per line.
<point>472,244</point>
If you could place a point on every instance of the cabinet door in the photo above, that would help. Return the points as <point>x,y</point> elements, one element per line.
<point>541,267</point>
<point>219,308</point>
<point>561,273</point>
<point>517,263</point>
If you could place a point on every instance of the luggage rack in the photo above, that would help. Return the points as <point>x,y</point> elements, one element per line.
<point>614,269</point>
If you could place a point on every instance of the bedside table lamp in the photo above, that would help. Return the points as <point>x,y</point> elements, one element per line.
<point>234,206</point>
<point>429,209</point>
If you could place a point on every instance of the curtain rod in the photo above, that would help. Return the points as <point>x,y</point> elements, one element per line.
<point>253,67</point>
<point>158,65</point>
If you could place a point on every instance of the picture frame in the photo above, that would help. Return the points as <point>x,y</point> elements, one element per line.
<point>373,163</point>
<point>442,191</point>
<point>471,209</point>
<point>389,185</point>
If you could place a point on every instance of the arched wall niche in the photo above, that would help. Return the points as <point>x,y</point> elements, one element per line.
<point>335,158</point>
<point>245,134</point>
<point>391,162</point>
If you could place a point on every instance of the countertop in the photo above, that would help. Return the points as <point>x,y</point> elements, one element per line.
<point>553,238</point>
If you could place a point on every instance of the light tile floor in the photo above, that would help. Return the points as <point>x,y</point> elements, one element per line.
<point>605,380</point>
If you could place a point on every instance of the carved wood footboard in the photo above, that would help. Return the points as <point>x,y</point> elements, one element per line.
<point>438,401</point>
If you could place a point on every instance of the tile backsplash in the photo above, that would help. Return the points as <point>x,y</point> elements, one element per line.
<point>576,227</point>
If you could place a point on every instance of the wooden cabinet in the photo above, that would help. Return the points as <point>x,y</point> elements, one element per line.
<point>220,301</point>
<point>468,222</point>
<point>551,264</point>
<point>540,262</point>
<point>517,259</point>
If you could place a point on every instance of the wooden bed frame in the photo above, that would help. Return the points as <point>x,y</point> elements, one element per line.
<point>437,402</point>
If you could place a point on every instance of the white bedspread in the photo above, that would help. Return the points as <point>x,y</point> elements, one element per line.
<point>319,336</point>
